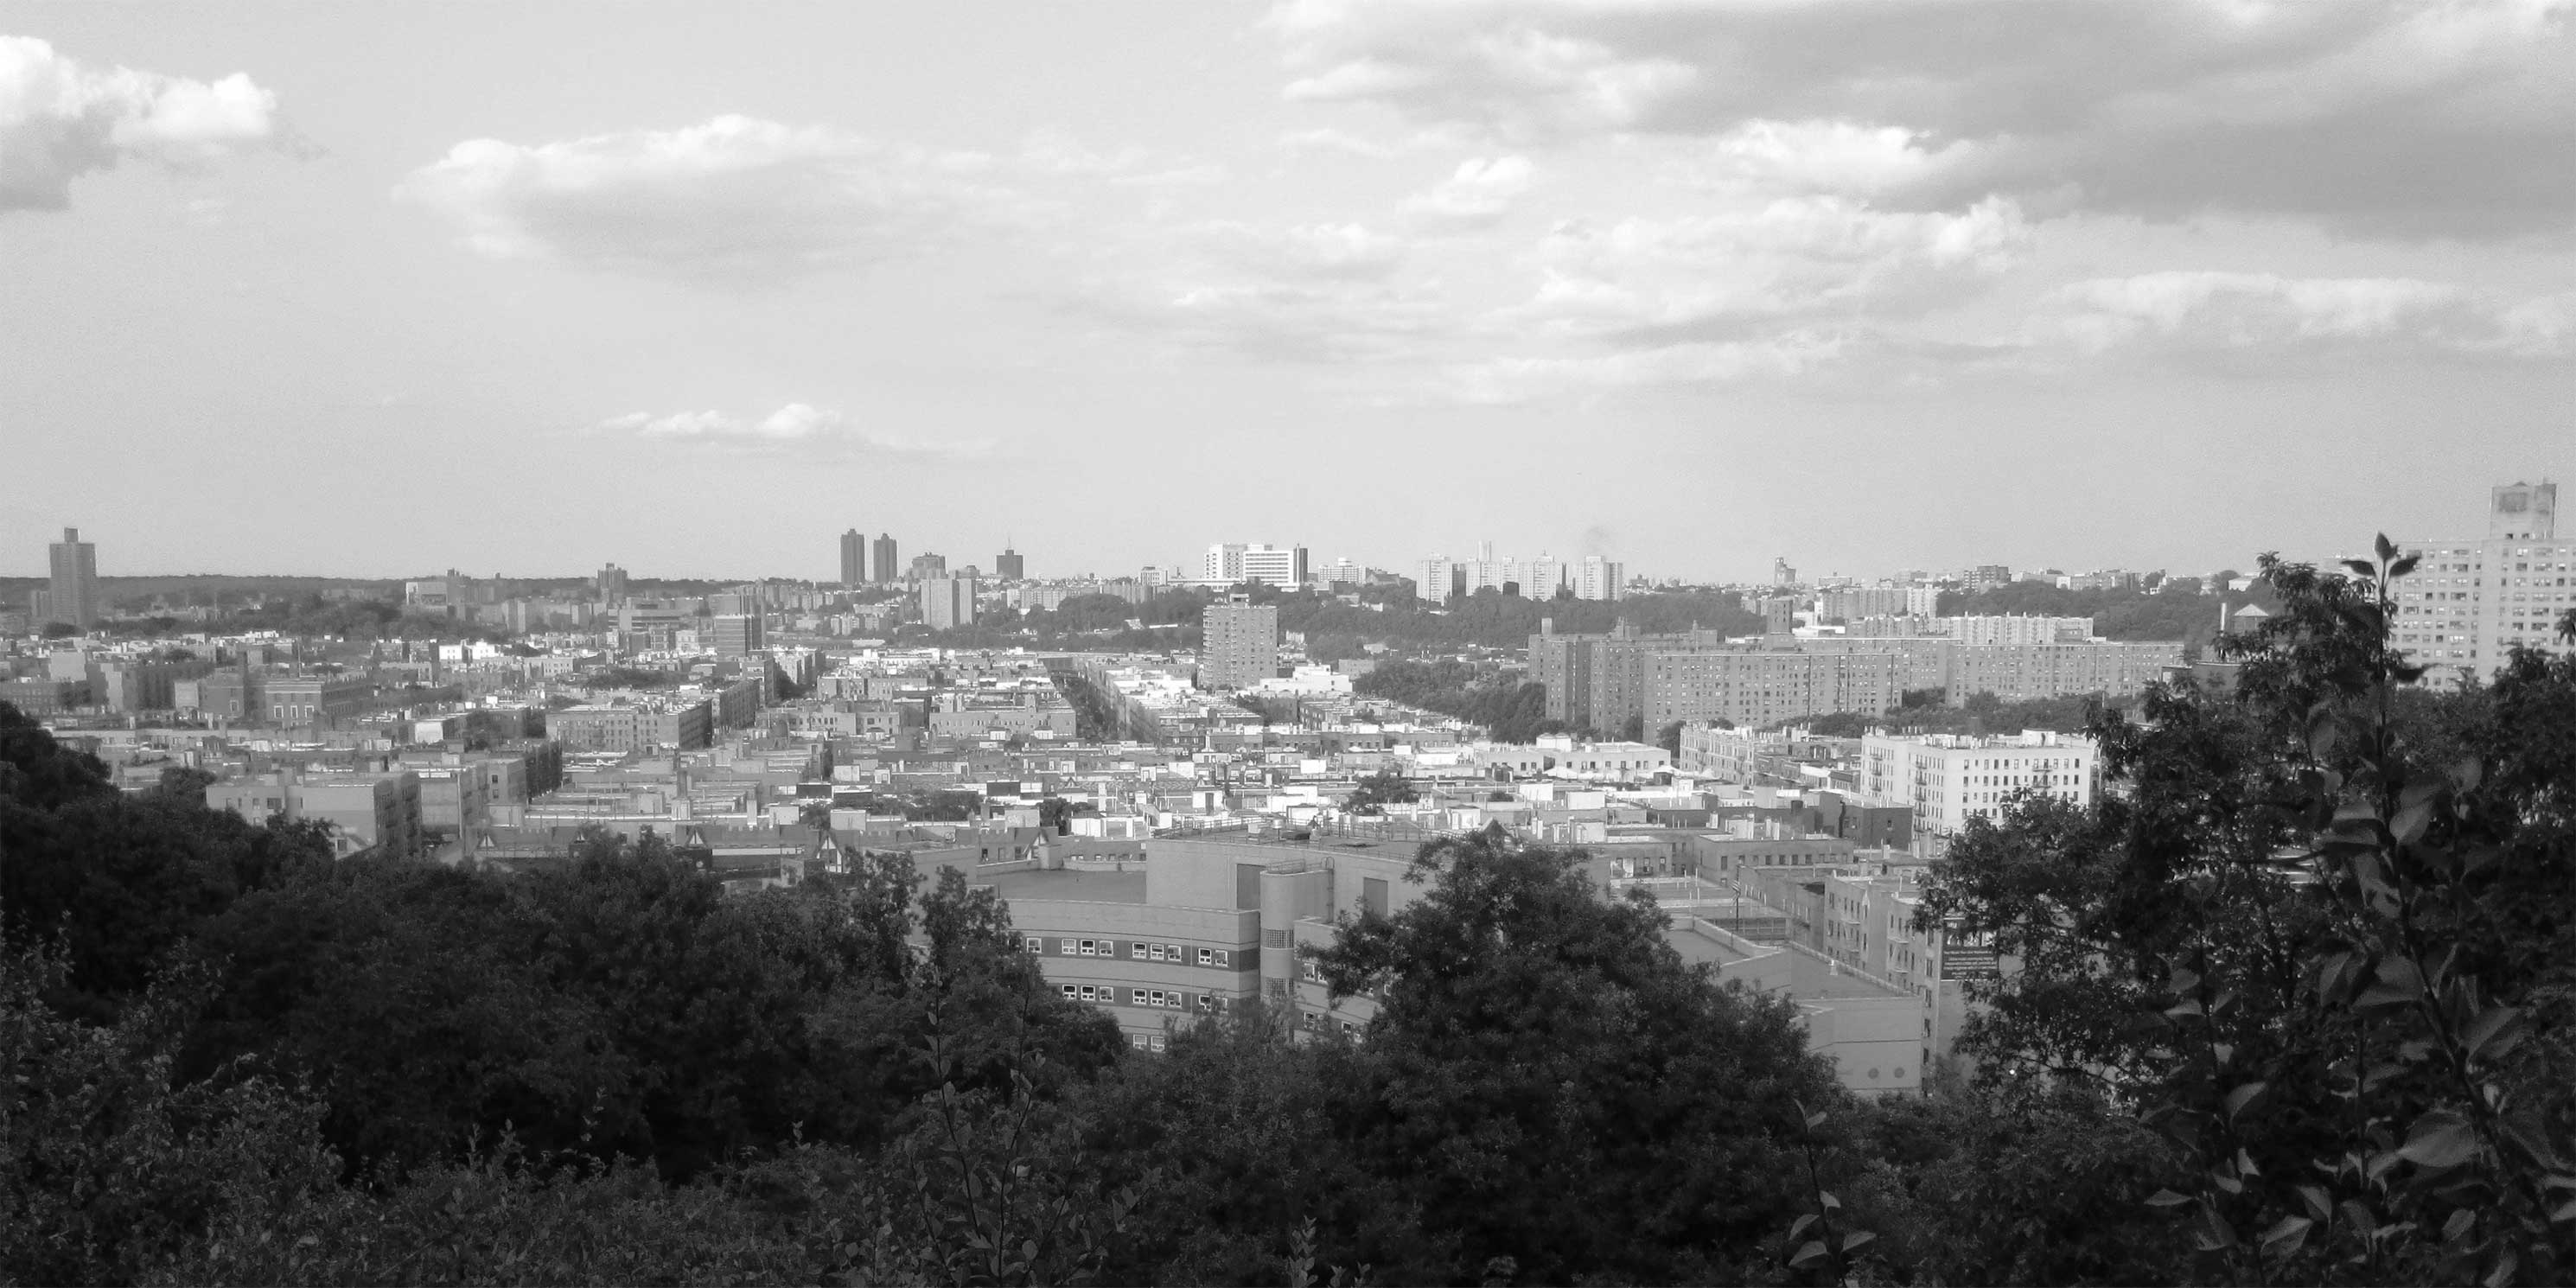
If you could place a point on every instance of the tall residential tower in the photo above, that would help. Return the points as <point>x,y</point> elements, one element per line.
<point>72,596</point>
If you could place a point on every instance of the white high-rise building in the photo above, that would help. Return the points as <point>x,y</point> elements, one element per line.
<point>1235,562</point>
<point>2468,603</point>
<point>1541,576</point>
<point>1434,586</point>
<point>1222,563</point>
<point>1598,578</point>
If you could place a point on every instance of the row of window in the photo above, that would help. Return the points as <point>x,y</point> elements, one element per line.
<point>1318,1022</point>
<point>1136,950</point>
<point>1165,999</point>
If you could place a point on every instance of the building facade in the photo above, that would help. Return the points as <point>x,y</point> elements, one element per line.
<point>1947,779</point>
<point>1241,645</point>
<point>882,555</point>
<point>947,602</point>
<point>854,558</point>
<point>71,593</point>
<point>2469,604</point>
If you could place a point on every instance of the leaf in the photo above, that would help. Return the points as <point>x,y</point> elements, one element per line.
<point>2285,1236</point>
<point>1799,1226</point>
<point>2244,1095</point>
<point>2319,1205</point>
<point>2362,568</point>
<point>2458,1226</point>
<point>2167,1198</point>
<point>2214,1233</point>
<point>2395,982</point>
<point>2506,1264</point>
<point>2439,1139</point>
<point>2404,566</point>
<point>1812,1251</point>
<point>1826,1199</point>
<point>2484,1029</point>
<point>2384,548</point>
<point>1856,1238</point>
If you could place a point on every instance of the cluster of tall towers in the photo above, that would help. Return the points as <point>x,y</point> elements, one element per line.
<point>865,561</point>
<point>857,565</point>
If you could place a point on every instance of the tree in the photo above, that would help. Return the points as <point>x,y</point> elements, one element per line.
<point>1373,793</point>
<point>2319,935</point>
<point>1564,1091</point>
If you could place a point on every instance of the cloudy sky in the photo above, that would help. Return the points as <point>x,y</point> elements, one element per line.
<point>372,290</point>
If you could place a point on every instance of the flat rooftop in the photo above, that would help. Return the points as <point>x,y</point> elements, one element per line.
<point>1068,885</point>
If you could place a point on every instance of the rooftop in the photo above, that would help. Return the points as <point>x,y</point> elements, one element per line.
<point>1067,885</point>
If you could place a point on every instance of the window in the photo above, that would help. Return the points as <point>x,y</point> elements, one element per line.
<point>1224,959</point>
<point>1136,997</point>
<point>1064,946</point>
<point>1069,993</point>
<point>1090,948</point>
<point>1373,895</point>
<point>1157,954</point>
<point>1173,952</point>
<point>1207,957</point>
<point>1137,950</point>
<point>1035,944</point>
<point>1155,1041</point>
<point>1136,1040</point>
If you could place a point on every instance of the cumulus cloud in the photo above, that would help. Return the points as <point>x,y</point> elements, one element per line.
<point>796,429</point>
<point>2444,119</point>
<point>1478,192</point>
<point>1657,280</point>
<point>734,200</point>
<point>61,119</point>
<point>2242,312</point>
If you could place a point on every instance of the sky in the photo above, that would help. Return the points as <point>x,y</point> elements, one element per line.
<point>1869,284</point>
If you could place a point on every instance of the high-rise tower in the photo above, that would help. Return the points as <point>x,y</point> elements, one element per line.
<point>854,558</point>
<point>72,595</point>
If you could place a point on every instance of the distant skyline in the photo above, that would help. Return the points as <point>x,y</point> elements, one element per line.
<point>375,291</point>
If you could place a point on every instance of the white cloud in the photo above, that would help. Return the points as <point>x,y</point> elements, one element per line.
<point>1819,156</point>
<point>2416,119</point>
<point>1522,379</point>
<point>2251,312</point>
<point>1786,259</point>
<point>734,200</point>
<point>795,429</point>
<point>1478,192</point>
<point>61,119</point>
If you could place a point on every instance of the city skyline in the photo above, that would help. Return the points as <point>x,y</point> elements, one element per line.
<point>1640,297</point>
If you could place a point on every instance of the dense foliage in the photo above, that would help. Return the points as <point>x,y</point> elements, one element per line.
<point>1513,709</point>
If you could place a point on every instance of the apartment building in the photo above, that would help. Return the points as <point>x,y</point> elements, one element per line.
<point>2468,604</point>
<point>947,602</point>
<point>71,593</point>
<point>366,811</point>
<point>621,726</point>
<point>1240,644</point>
<point>2016,671</point>
<point>739,634</point>
<point>1755,688</point>
<point>316,700</point>
<point>1598,578</point>
<point>1947,779</point>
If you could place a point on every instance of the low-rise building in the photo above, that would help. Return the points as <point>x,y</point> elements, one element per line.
<point>366,811</point>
